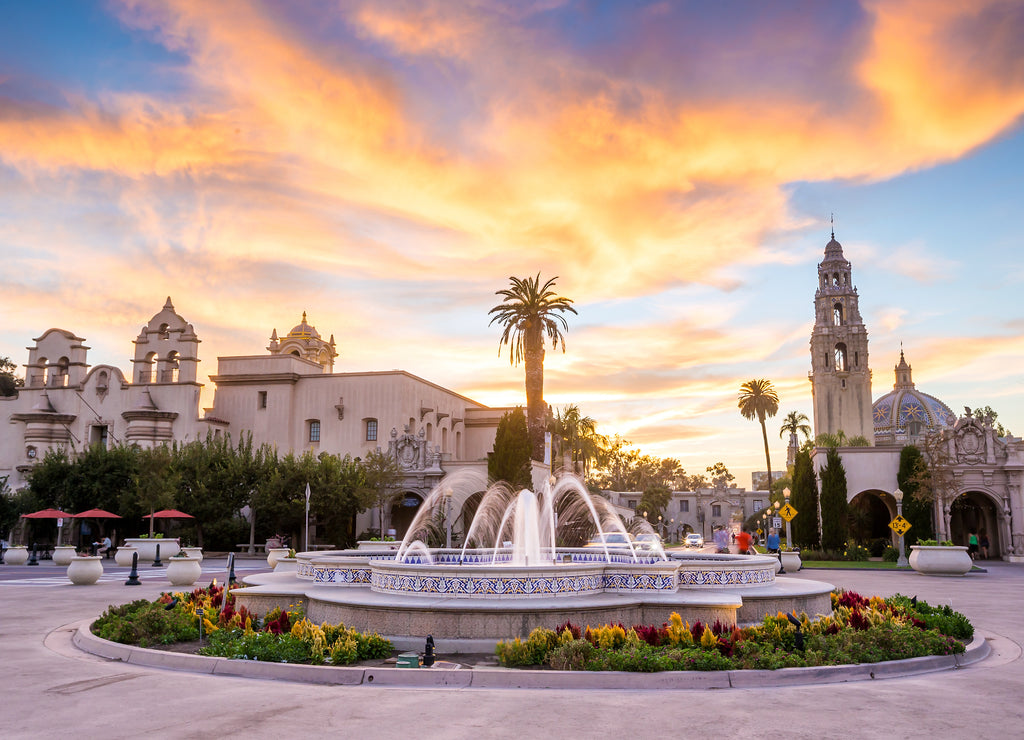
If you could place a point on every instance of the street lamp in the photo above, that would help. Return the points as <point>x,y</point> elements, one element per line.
<point>789,541</point>
<point>901,562</point>
<point>661,529</point>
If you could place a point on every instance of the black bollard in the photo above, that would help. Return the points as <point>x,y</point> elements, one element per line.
<point>133,577</point>
<point>428,651</point>
<point>782,566</point>
<point>157,563</point>
<point>231,569</point>
<point>33,560</point>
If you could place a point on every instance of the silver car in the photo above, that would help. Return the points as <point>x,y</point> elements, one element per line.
<point>694,540</point>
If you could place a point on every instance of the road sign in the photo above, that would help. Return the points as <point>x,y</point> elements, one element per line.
<point>899,525</point>
<point>787,512</point>
<point>777,522</point>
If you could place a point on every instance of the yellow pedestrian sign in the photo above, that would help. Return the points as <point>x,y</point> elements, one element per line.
<point>899,525</point>
<point>787,512</point>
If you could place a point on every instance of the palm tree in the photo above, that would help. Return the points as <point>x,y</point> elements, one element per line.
<point>758,400</point>
<point>576,436</point>
<point>796,422</point>
<point>529,312</point>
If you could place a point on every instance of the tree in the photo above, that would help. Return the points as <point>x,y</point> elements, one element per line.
<point>834,507</point>
<point>758,400</point>
<point>510,459</point>
<point>577,435</point>
<point>985,414</point>
<point>9,384</point>
<point>529,312</point>
<point>337,494</point>
<point>795,422</point>
<point>805,500</point>
<point>154,485</point>
<point>720,475</point>
<point>916,509</point>
<point>653,502</point>
<point>383,477</point>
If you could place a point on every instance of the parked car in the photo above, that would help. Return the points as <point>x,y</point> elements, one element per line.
<point>694,540</point>
<point>611,539</point>
<point>648,541</point>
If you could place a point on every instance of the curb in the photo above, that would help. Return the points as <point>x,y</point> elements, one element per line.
<point>510,678</point>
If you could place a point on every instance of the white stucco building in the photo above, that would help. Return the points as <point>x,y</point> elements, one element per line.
<point>288,397</point>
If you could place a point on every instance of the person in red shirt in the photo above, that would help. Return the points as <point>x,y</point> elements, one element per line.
<point>743,542</point>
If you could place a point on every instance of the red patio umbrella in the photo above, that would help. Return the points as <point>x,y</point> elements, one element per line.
<point>48,514</point>
<point>168,514</point>
<point>96,514</point>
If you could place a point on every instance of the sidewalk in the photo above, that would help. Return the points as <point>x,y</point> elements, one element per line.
<point>52,689</point>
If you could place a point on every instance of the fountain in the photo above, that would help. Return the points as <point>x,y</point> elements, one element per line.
<point>528,559</point>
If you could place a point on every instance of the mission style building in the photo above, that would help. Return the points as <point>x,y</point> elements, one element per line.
<point>986,472</point>
<point>288,397</point>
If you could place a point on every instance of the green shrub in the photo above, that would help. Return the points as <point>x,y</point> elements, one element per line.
<point>856,553</point>
<point>570,656</point>
<point>146,623</point>
<point>878,546</point>
<point>264,646</point>
<point>891,554</point>
<point>943,618</point>
<point>373,647</point>
<point>345,650</point>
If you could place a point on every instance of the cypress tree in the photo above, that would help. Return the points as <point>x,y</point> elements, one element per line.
<point>917,508</point>
<point>805,501</point>
<point>510,460</point>
<point>833,502</point>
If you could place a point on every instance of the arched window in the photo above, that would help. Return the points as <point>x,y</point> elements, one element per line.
<point>314,431</point>
<point>458,445</point>
<point>430,432</point>
<point>837,314</point>
<point>148,370</point>
<point>371,430</point>
<point>162,333</point>
<point>835,279</point>
<point>171,368</point>
<point>840,356</point>
<point>444,440</point>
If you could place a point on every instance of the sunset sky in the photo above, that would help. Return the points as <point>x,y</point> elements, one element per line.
<point>386,166</point>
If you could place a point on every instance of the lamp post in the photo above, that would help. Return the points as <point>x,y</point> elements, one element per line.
<point>448,518</point>
<point>661,527</point>
<point>901,561</point>
<point>789,541</point>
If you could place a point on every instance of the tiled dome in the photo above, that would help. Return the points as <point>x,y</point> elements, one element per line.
<point>907,412</point>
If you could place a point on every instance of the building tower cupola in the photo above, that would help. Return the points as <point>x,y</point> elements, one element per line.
<point>840,376</point>
<point>305,341</point>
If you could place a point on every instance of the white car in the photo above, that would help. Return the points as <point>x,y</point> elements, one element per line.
<point>694,540</point>
<point>611,539</point>
<point>648,541</point>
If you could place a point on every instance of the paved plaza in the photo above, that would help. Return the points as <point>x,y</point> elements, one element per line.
<point>51,689</point>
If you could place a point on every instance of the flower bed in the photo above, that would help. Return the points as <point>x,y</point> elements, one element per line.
<point>282,636</point>
<point>859,630</point>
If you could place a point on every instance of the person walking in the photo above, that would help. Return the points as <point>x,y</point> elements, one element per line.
<point>972,544</point>
<point>773,543</point>
<point>743,542</point>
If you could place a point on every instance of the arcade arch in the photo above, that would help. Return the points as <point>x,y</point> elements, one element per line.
<point>979,512</point>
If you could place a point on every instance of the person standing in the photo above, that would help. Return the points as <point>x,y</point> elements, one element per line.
<point>983,544</point>
<point>743,542</point>
<point>773,543</point>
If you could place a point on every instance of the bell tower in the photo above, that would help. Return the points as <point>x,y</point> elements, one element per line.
<point>840,377</point>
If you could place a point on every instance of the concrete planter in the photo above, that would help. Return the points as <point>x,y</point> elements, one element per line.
<point>147,547</point>
<point>63,554</point>
<point>194,552</point>
<point>85,570</point>
<point>286,565</point>
<point>377,545</point>
<point>123,556</point>
<point>274,554</point>
<point>16,555</point>
<point>940,560</point>
<point>791,560</point>
<point>183,571</point>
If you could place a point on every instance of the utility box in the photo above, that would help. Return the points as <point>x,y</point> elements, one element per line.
<point>408,660</point>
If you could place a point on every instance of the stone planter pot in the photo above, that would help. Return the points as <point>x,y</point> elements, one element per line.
<point>286,565</point>
<point>147,547</point>
<point>16,555</point>
<point>85,570</point>
<point>63,554</point>
<point>377,545</point>
<point>183,571</point>
<point>791,560</point>
<point>123,556</point>
<point>192,552</point>
<point>940,560</point>
<point>274,554</point>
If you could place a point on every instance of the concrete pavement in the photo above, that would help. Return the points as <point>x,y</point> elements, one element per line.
<point>52,689</point>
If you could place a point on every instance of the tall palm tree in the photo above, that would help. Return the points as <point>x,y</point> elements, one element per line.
<point>576,433</point>
<point>796,422</point>
<point>758,400</point>
<point>530,311</point>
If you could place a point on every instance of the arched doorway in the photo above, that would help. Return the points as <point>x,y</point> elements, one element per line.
<point>403,511</point>
<point>467,513</point>
<point>975,511</point>
<point>868,517</point>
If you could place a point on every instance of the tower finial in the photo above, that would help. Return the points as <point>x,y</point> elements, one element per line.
<point>832,220</point>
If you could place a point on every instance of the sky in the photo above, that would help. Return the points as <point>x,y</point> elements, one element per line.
<point>386,166</point>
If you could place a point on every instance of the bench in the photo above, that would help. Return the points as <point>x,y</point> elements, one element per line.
<point>322,547</point>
